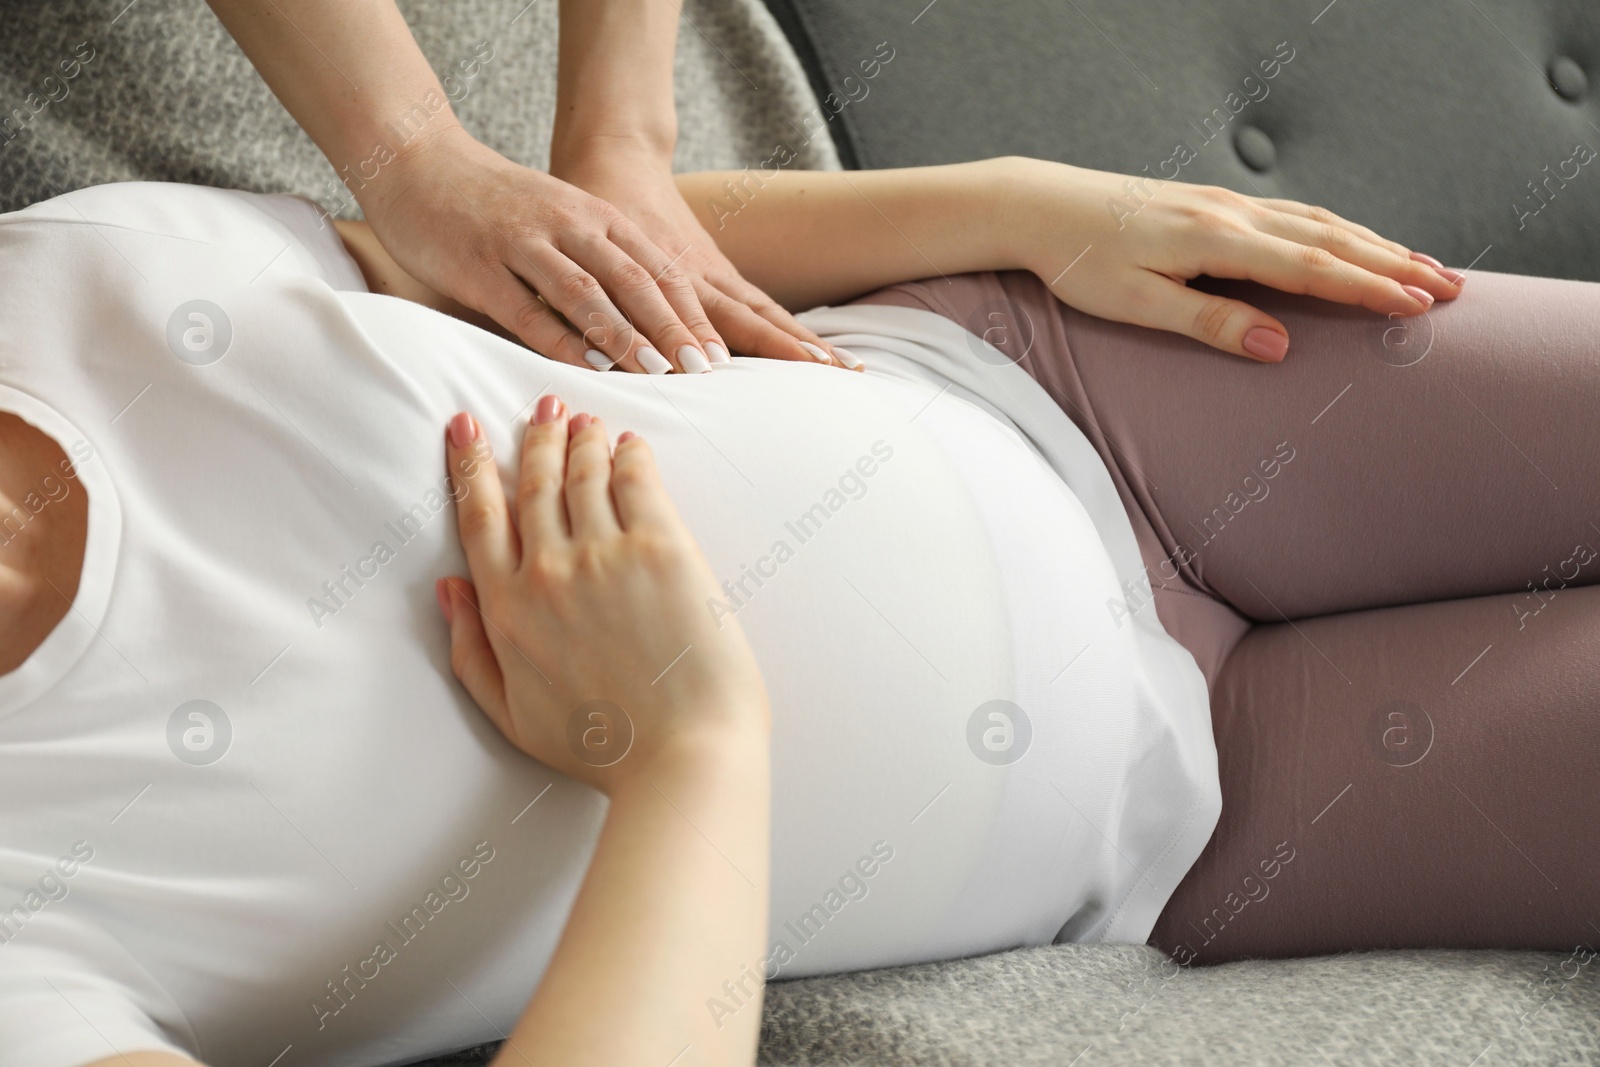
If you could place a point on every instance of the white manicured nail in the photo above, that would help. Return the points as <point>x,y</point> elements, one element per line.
<point>717,353</point>
<point>692,360</point>
<point>818,354</point>
<point>597,359</point>
<point>849,359</point>
<point>653,362</point>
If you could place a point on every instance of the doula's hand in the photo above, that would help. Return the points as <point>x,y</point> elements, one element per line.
<point>1141,239</point>
<point>585,634</point>
<point>463,219</point>
<point>640,185</point>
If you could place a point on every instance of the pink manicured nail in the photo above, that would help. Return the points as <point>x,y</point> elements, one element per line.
<point>1454,277</point>
<point>1265,344</point>
<point>441,589</point>
<point>547,410</point>
<point>627,435</point>
<point>579,423</point>
<point>1429,260</point>
<point>463,430</point>
<point>1421,296</point>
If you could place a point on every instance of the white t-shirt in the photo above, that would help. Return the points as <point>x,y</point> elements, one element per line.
<point>247,813</point>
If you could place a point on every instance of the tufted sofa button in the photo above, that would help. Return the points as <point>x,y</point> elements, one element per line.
<point>1568,78</point>
<point>1255,148</point>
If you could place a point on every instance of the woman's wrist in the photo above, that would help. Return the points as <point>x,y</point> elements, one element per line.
<point>1030,203</point>
<point>633,153</point>
<point>423,157</point>
<point>734,757</point>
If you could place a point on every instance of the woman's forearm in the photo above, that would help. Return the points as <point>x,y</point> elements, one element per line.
<point>350,73</point>
<point>664,945</point>
<point>818,237</point>
<point>614,83</point>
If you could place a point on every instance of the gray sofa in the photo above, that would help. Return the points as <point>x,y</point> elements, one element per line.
<point>1452,125</point>
<point>1427,120</point>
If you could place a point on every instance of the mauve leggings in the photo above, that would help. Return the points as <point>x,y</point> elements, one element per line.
<point>1381,553</point>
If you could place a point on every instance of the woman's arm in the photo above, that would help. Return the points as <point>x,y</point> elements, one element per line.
<point>456,214</point>
<point>615,130</point>
<point>1112,245</point>
<point>584,638</point>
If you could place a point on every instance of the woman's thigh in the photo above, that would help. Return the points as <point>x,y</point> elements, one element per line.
<point>1383,462</point>
<point>1405,777</point>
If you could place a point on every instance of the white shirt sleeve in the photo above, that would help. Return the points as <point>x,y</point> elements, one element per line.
<point>71,995</point>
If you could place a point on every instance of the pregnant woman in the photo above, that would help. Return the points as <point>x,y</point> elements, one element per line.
<point>1070,628</point>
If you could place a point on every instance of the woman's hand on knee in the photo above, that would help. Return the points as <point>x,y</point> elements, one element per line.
<point>586,633</point>
<point>1122,247</point>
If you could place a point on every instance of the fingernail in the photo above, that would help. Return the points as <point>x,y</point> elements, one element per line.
<point>849,359</point>
<point>1429,260</point>
<point>547,410</point>
<point>816,353</point>
<point>597,359</point>
<point>627,435</point>
<point>653,362</point>
<point>1265,344</point>
<point>1454,277</point>
<point>462,430</point>
<point>1421,296</point>
<point>692,360</point>
<point>579,423</point>
<point>717,353</point>
<point>441,589</point>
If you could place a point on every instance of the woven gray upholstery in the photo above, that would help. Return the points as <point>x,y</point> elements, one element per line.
<point>1424,120</point>
<point>167,95</point>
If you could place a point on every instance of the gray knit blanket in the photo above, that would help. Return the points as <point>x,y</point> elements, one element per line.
<point>95,91</point>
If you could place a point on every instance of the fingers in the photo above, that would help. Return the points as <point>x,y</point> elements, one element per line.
<point>1231,325</point>
<point>589,480</point>
<point>541,506</point>
<point>704,345</point>
<point>487,535</point>
<point>506,299</point>
<point>563,489</point>
<point>759,325</point>
<point>1375,255</point>
<point>1323,215</point>
<point>472,658</point>
<point>641,499</point>
<point>1299,268</point>
<point>657,340</point>
<point>603,330</point>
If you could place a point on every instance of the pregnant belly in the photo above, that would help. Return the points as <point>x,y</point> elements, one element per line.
<point>953,710</point>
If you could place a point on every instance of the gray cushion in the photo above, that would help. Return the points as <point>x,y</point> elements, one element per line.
<point>1426,121</point>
